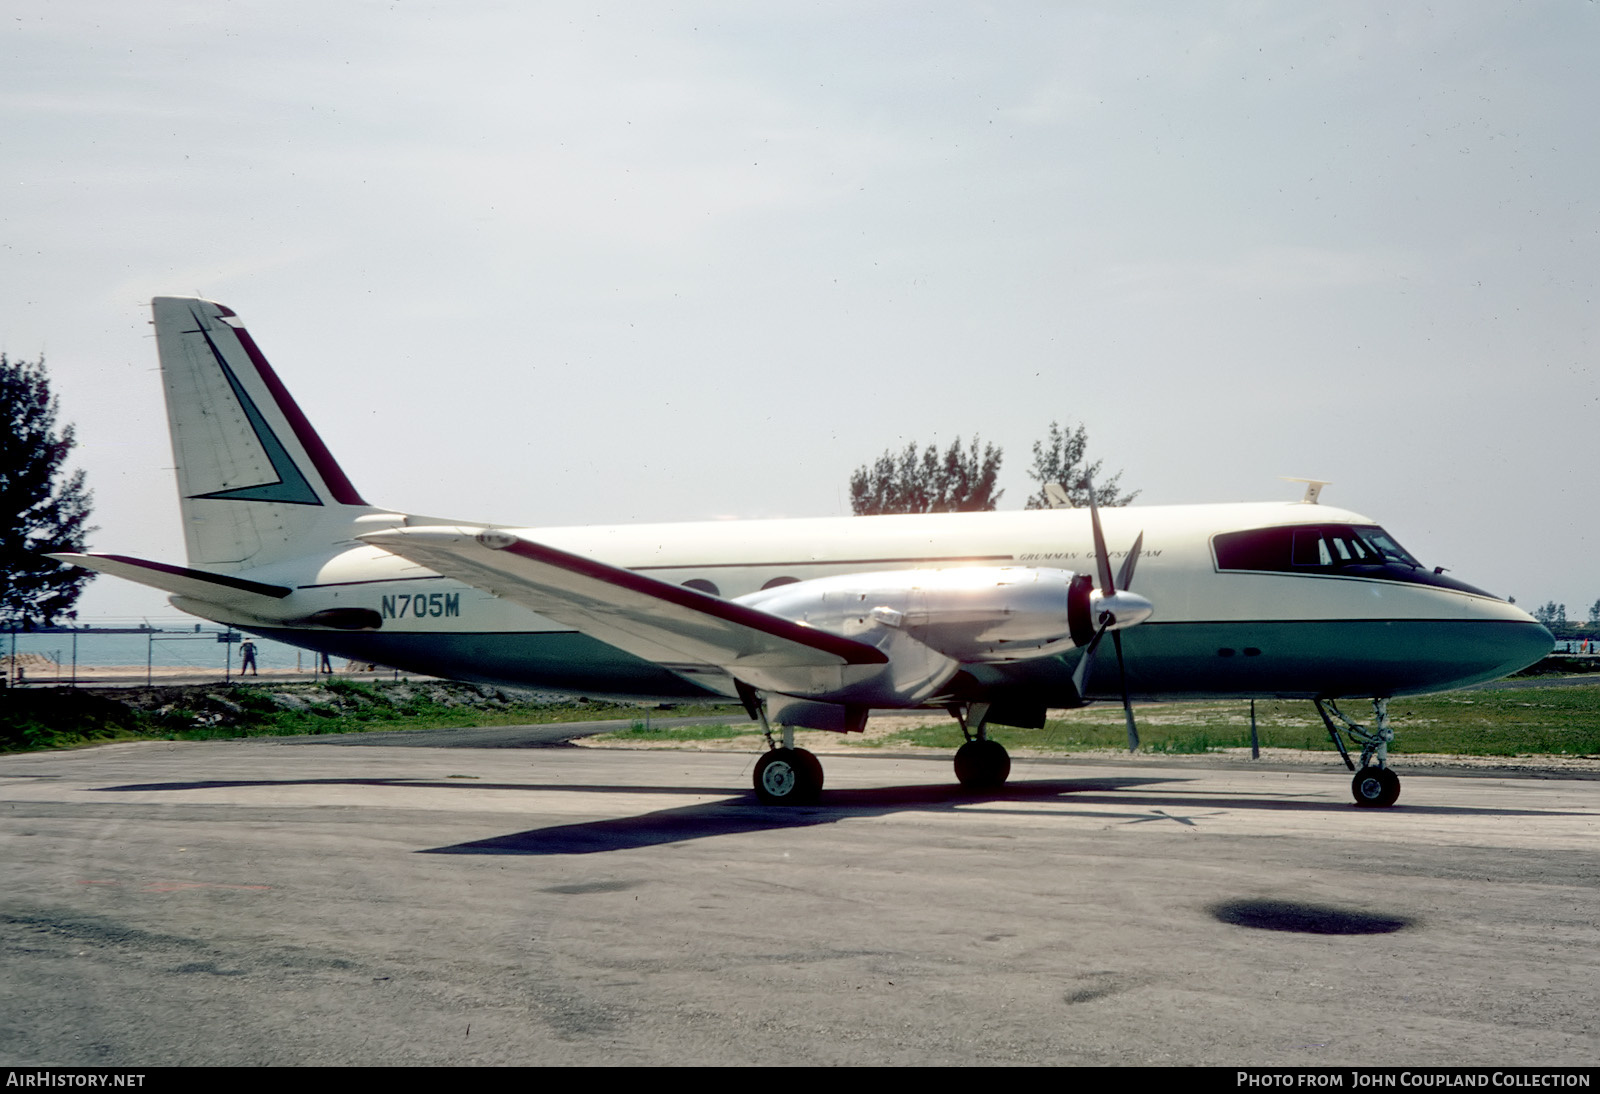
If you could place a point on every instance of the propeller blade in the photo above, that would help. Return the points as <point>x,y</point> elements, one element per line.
<point>1127,701</point>
<point>1107,620</point>
<point>1125,575</point>
<point>1081,673</point>
<point>1100,555</point>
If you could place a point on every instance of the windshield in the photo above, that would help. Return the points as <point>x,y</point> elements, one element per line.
<point>1297,548</point>
<point>1386,547</point>
<point>1362,551</point>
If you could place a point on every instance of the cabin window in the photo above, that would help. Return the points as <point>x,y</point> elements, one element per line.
<point>775,582</point>
<point>702,585</point>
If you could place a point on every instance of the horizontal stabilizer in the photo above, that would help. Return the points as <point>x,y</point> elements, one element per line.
<point>180,580</point>
<point>652,619</point>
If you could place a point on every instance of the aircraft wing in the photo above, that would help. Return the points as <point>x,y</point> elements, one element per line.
<point>661,622</point>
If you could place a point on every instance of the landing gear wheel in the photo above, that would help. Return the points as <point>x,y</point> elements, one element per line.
<point>1375,787</point>
<point>788,776</point>
<point>982,764</point>
<point>813,769</point>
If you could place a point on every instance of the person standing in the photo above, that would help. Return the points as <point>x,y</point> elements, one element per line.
<point>247,657</point>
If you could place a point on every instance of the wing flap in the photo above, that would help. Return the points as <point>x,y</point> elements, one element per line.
<point>646,617</point>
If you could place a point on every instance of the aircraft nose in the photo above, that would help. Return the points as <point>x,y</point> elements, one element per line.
<point>1531,644</point>
<point>1506,645</point>
<point>1490,639</point>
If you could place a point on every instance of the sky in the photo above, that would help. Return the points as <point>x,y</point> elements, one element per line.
<point>581,263</point>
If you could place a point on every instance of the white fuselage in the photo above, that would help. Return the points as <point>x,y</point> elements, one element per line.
<point>1226,633</point>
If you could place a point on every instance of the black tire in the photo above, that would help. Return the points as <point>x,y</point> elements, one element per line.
<point>1375,787</point>
<point>788,776</point>
<point>813,768</point>
<point>982,765</point>
<point>1391,789</point>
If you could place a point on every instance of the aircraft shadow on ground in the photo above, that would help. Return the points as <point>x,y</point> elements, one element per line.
<point>413,784</point>
<point>736,815</point>
<point>744,814</point>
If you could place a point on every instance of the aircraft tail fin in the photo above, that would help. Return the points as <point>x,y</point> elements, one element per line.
<point>255,482</point>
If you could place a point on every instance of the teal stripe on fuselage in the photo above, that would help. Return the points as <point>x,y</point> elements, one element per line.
<point>1317,658</point>
<point>1294,660</point>
<point>557,660</point>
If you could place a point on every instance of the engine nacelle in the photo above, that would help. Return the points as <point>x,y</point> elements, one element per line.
<point>930,623</point>
<point>974,614</point>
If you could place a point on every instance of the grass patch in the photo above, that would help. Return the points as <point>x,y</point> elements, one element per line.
<point>1553,721</point>
<point>1103,728</point>
<point>32,719</point>
<point>1188,744</point>
<point>641,733</point>
<point>1557,721</point>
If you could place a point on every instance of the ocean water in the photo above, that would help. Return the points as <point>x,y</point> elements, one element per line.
<point>172,648</point>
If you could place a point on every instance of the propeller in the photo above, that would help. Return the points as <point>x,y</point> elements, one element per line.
<point>1114,608</point>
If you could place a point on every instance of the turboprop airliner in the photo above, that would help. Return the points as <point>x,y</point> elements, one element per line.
<point>994,617</point>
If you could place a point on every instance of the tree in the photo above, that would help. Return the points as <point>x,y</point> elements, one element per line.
<point>926,482</point>
<point>41,507</point>
<point>1594,614</point>
<point>1061,461</point>
<point>1552,614</point>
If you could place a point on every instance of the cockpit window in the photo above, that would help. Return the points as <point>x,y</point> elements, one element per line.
<point>1333,550</point>
<point>1333,546</point>
<point>1387,547</point>
<point>1301,548</point>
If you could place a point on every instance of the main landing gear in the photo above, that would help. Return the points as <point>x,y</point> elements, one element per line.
<point>786,775</point>
<point>981,763</point>
<point>1374,785</point>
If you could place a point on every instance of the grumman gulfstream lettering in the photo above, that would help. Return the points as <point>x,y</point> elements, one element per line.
<point>995,617</point>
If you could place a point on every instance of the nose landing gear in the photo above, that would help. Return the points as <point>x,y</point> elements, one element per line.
<point>1374,785</point>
